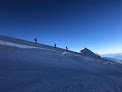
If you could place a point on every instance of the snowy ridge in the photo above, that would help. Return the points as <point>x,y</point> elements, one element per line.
<point>20,45</point>
<point>86,51</point>
<point>29,67</point>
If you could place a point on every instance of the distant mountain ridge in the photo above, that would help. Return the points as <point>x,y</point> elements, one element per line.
<point>114,57</point>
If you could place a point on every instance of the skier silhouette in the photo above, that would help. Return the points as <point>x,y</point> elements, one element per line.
<point>66,48</point>
<point>35,40</point>
<point>55,45</point>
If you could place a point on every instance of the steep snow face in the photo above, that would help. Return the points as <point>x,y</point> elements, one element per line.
<point>89,53</point>
<point>29,67</point>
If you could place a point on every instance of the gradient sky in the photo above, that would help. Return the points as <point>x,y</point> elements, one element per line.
<point>95,24</point>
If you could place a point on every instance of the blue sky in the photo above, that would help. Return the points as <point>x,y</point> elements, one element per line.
<point>95,24</point>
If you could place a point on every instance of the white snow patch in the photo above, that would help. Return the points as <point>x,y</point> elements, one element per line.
<point>16,45</point>
<point>20,45</point>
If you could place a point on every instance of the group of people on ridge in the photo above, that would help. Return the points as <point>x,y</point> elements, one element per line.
<point>54,44</point>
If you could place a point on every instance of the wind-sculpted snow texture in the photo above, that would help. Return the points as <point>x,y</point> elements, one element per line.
<point>29,67</point>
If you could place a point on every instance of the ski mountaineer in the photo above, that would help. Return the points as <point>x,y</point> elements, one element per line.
<point>66,48</point>
<point>35,40</point>
<point>55,45</point>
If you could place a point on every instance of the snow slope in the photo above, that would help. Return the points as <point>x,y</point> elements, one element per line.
<point>29,67</point>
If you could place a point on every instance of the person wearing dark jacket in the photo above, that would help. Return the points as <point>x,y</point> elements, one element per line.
<point>66,48</point>
<point>55,45</point>
<point>35,40</point>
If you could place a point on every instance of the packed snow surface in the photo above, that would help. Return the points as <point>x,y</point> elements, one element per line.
<point>29,67</point>
<point>15,44</point>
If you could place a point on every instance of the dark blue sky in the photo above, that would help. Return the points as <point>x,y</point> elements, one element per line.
<point>95,24</point>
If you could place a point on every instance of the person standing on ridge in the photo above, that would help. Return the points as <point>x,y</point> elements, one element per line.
<point>55,45</point>
<point>66,48</point>
<point>35,40</point>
